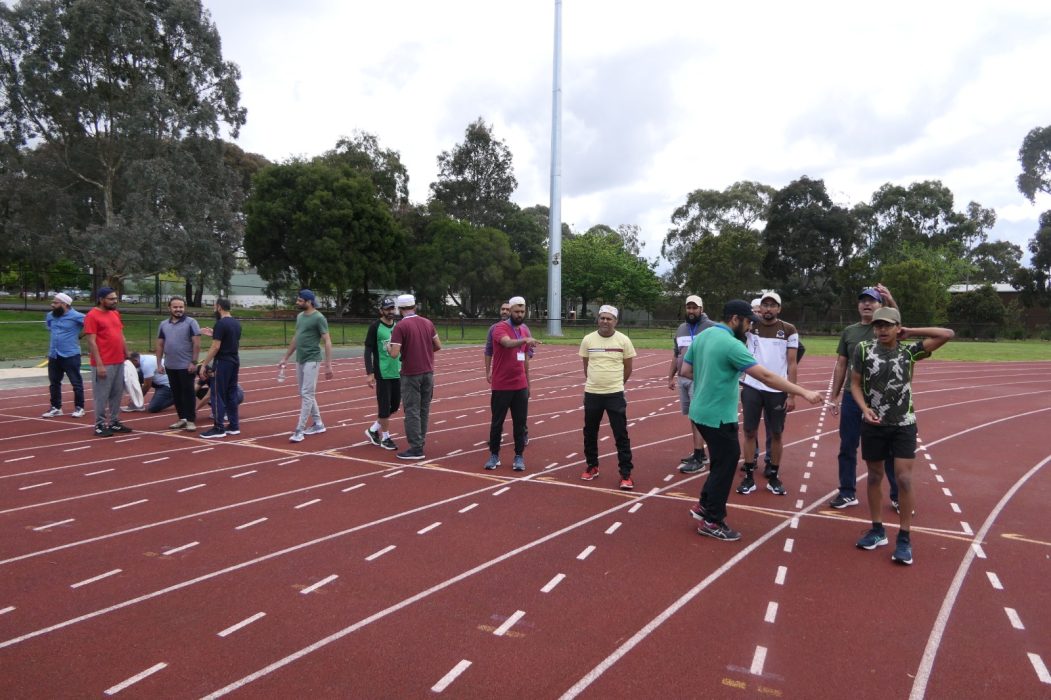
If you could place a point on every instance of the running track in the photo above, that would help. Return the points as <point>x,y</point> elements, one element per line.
<point>158,564</point>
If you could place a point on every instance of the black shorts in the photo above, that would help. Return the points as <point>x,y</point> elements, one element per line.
<point>770,403</point>
<point>881,441</point>
<point>388,396</point>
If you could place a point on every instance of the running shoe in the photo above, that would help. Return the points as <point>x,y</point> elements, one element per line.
<point>718,531</point>
<point>190,426</point>
<point>181,423</point>
<point>589,473</point>
<point>79,413</point>
<point>102,431</point>
<point>872,539</point>
<point>840,502</point>
<point>411,453</point>
<point>626,484</point>
<point>747,484</point>
<point>118,427</point>
<point>698,512</point>
<point>691,466</point>
<point>493,462</point>
<point>296,436</point>
<point>53,413</point>
<point>214,433</point>
<point>519,464</point>
<point>315,429</point>
<point>373,436</point>
<point>902,551</point>
<point>233,431</point>
<point>388,444</point>
<point>774,486</point>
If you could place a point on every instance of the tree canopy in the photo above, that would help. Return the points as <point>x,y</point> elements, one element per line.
<point>597,267</point>
<point>476,178</point>
<point>1035,159</point>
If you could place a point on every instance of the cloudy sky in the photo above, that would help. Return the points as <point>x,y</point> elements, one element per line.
<point>661,97</point>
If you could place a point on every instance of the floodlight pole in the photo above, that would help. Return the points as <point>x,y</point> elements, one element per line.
<point>554,227</point>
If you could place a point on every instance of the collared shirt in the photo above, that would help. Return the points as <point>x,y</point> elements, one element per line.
<point>148,367</point>
<point>717,358</point>
<point>65,333</point>
<point>178,341</point>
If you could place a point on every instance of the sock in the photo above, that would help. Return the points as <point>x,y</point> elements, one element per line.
<point>903,535</point>
<point>699,455</point>
<point>771,469</point>
<point>748,468</point>
<point>375,427</point>
<point>386,435</point>
<point>877,526</point>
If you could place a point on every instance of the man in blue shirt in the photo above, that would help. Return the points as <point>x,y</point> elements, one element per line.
<point>65,324</point>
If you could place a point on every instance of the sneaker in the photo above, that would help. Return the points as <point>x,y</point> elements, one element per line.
<point>296,436</point>
<point>233,431</point>
<point>190,426</point>
<point>774,486</point>
<point>373,436</point>
<point>118,427</point>
<point>214,433</point>
<point>687,458</point>
<point>102,431</point>
<point>747,484</point>
<point>315,429</point>
<point>493,462</point>
<point>79,413</point>
<point>626,484</point>
<point>388,444</point>
<point>718,531</point>
<point>589,473</point>
<point>519,464</point>
<point>840,502</point>
<point>181,423</point>
<point>411,453</point>
<point>872,539</point>
<point>698,512</point>
<point>53,413</point>
<point>691,466</point>
<point>132,409</point>
<point>902,551</point>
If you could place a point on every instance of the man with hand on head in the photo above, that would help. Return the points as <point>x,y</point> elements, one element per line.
<point>415,340</point>
<point>311,335</point>
<point>65,325</point>
<point>510,382</point>
<point>696,321</point>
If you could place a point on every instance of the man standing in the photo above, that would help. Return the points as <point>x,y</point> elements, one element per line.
<point>696,321</point>
<point>715,362</point>
<point>869,300</point>
<point>607,355</point>
<point>510,382</point>
<point>774,344</point>
<point>224,358</point>
<point>105,335</point>
<point>311,334</point>
<point>148,378</point>
<point>178,348</point>
<point>415,340</point>
<point>505,313</point>
<point>384,374</point>
<point>64,324</point>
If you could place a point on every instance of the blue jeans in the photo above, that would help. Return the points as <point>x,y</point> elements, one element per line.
<point>849,439</point>
<point>70,367</point>
<point>162,399</point>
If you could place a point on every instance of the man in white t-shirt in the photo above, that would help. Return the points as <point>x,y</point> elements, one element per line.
<point>146,377</point>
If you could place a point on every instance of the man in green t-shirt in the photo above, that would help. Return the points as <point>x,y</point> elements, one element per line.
<point>311,332</point>
<point>715,361</point>
<point>384,373</point>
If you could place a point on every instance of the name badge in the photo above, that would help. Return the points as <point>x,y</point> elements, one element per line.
<point>521,357</point>
<point>684,341</point>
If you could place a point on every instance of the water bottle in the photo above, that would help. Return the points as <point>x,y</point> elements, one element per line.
<point>281,372</point>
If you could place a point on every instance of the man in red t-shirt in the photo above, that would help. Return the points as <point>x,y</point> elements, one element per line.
<point>415,340</point>
<point>108,349</point>
<point>512,347</point>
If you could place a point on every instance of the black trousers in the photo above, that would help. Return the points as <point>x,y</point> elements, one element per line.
<point>724,450</point>
<point>181,382</point>
<point>518,401</point>
<point>614,406</point>
<point>57,367</point>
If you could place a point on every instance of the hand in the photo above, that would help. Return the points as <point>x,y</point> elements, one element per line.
<point>100,371</point>
<point>488,378</point>
<point>162,370</point>
<point>833,408</point>
<point>671,382</point>
<point>904,332</point>
<point>372,381</point>
<point>207,331</point>
<point>328,372</point>
<point>813,396</point>
<point>530,341</point>
<point>191,368</point>
<point>884,292</point>
<point>790,404</point>
<point>869,416</point>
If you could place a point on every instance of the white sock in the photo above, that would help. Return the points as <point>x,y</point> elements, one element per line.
<point>375,427</point>
<point>386,435</point>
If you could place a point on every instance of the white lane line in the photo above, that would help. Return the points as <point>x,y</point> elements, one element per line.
<point>136,678</point>
<point>118,442</point>
<point>966,527</point>
<point>586,553</point>
<point>1039,667</point>
<point>978,551</point>
<point>93,579</point>
<point>60,522</point>
<point>250,471</point>
<point>947,492</point>
<point>509,623</point>
<point>635,507</point>
<point>35,486</point>
<point>806,475</point>
<point>151,461</point>
<point>758,661</point>
<point>103,471</point>
<point>351,488</point>
<point>612,528</point>
<point>377,555</point>
<point>243,623</point>
<point>287,462</point>
<point>571,455</point>
<point>802,488</point>
<point>308,503</point>
<point>500,491</point>
<point>461,416</point>
<point>604,438</point>
<point>319,584</point>
<point>454,452</point>
<point>203,449</point>
<point>810,464</point>
<point>779,579</point>
<point>794,523</point>
<point>254,522</point>
<point>77,449</point>
<point>427,529</point>
<point>955,508</point>
<point>191,488</point>
<point>387,476</point>
<point>799,504</point>
<point>939,478</point>
<point>483,442</point>
<point>129,505</point>
<point>180,548</point>
<point>467,508</point>
<point>994,581</point>
<point>927,455</point>
<point>1016,621</point>
<point>771,612</point>
<point>548,587</point>
<point>451,676</point>
<point>19,459</point>
<point>789,544</point>
<point>439,422</point>
<point>551,466</point>
<point>9,608</point>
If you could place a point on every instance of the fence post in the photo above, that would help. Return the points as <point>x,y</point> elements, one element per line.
<point>284,330</point>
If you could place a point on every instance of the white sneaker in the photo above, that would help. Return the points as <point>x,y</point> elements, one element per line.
<point>296,436</point>
<point>315,429</point>
<point>190,425</point>
<point>132,409</point>
<point>181,423</point>
<point>53,413</point>
<point>79,413</point>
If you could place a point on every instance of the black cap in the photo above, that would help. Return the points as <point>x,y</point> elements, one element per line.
<point>739,307</point>
<point>388,303</point>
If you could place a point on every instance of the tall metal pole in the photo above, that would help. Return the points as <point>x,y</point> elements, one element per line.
<point>554,261</point>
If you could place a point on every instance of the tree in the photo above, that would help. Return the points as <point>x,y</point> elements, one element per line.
<point>980,310</point>
<point>362,152</point>
<point>995,261</point>
<point>1035,159</point>
<point>596,266</point>
<point>920,294</point>
<point>109,86</point>
<point>1035,281</point>
<point>476,179</point>
<point>723,267</point>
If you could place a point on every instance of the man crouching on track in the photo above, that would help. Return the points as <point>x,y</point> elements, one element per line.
<point>881,384</point>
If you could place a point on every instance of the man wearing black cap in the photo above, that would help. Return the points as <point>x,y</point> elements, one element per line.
<point>311,335</point>
<point>869,300</point>
<point>715,361</point>
<point>384,373</point>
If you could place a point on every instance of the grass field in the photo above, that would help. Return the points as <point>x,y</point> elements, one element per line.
<point>24,336</point>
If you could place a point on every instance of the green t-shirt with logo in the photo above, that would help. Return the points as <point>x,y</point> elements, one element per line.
<point>390,367</point>
<point>309,329</point>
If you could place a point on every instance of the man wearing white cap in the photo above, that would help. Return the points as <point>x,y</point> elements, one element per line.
<point>607,356</point>
<point>696,321</point>
<point>415,340</point>
<point>510,382</point>
<point>65,324</point>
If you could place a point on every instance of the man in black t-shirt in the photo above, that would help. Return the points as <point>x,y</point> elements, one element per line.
<point>226,340</point>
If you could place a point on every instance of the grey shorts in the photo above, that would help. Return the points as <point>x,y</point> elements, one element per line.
<point>685,393</point>
<point>771,404</point>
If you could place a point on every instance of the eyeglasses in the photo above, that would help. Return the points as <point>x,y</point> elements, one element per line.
<point>110,299</point>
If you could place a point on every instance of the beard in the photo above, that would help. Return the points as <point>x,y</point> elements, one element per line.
<point>693,318</point>
<point>516,321</point>
<point>58,311</point>
<point>739,331</point>
<point>218,315</point>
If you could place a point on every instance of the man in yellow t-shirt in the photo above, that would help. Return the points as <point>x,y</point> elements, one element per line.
<point>607,355</point>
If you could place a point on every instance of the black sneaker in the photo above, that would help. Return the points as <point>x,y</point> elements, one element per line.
<point>774,486</point>
<point>840,502</point>
<point>692,466</point>
<point>902,551</point>
<point>388,444</point>
<point>411,453</point>
<point>233,431</point>
<point>747,484</point>
<point>872,539</point>
<point>373,436</point>
<point>118,427</point>
<point>214,433</point>
<point>687,458</point>
<point>102,431</point>
<point>718,531</point>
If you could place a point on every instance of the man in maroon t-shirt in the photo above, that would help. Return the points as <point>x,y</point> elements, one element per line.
<point>415,340</point>
<point>512,345</point>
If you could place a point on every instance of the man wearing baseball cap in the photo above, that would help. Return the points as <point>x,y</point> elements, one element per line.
<point>311,335</point>
<point>384,373</point>
<point>696,321</point>
<point>64,324</point>
<point>415,340</point>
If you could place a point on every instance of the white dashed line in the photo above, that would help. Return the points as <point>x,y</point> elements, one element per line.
<point>810,464</point>
<point>180,549</point>
<point>1040,668</point>
<point>77,449</point>
<point>103,471</point>
<point>612,528</point>
<point>771,612</point>
<point>136,678</point>
<point>782,572</point>
<point>351,488</point>
<point>377,555</point>
<point>939,478</point>
<point>1016,621</point>
<point>119,442</point>
<point>461,416</point>
<point>19,459</point>
<point>794,523</point>
<point>955,508</point>
<point>387,476</point>
<point>287,462</point>
<point>509,623</point>
<point>549,586</point>
<point>789,544</point>
<point>93,579</point>
<point>634,507</point>
<point>35,486</point>
<point>243,623</point>
<point>308,503</point>
<point>9,608</point>
<point>60,522</point>
<point>994,581</point>
<point>427,529</point>
<point>604,438</point>
<point>758,661</point>
<point>483,442</point>
<point>129,505</point>
<point>500,491</point>
<point>669,478</point>
<point>806,475</point>
<point>799,504</point>
<point>439,422</point>
<point>454,452</point>
<point>319,584</point>
<point>586,553</point>
<point>203,449</point>
<point>151,461</point>
<point>966,527</point>
<point>947,492</point>
<point>238,476</point>
<point>191,488</point>
<point>571,455</point>
<point>978,551</point>
<point>451,676</point>
<point>551,466</point>
<point>802,488</point>
<point>467,508</point>
<point>254,522</point>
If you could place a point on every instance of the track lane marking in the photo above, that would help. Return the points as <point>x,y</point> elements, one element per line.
<point>509,623</point>
<point>451,676</point>
<point>103,471</point>
<point>243,623</point>
<point>377,555</point>
<point>771,612</point>
<point>180,548</point>
<point>136,678</point>
<point>93,579</point>
<point>586,552</point>
<point>550,585</point>
<point>308,503</point>
<point>35,486</point>
<point>191,488</point>
<point>427,529</point>
<point>60,522</point>
<point>994,580</point>
<point>313,587</point>
<point>250,524</point>
<point>1040,668</point>
<point>1012,616</point>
